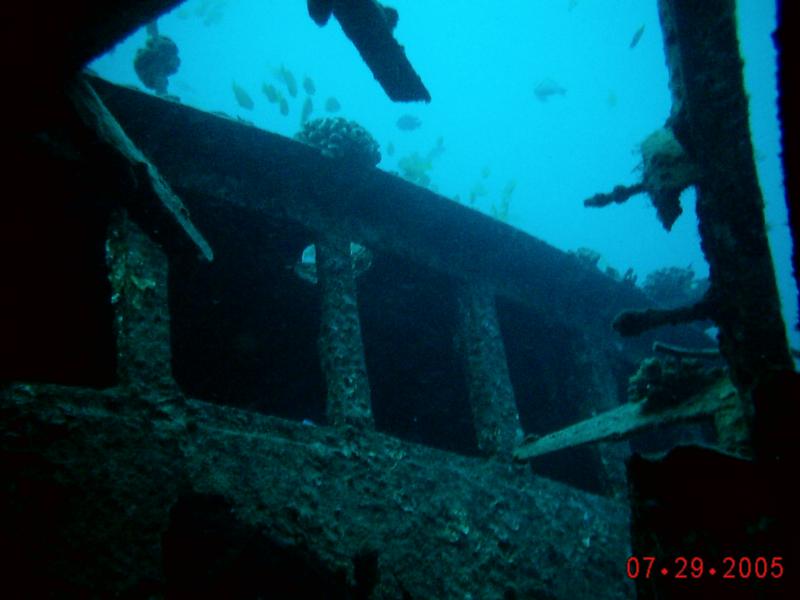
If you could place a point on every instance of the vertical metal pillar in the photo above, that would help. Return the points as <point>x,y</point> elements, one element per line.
<point>491,395</point>
<point>138,275</point>
<point>710,120</point>
<point>602,395</point>
<point>340,345</point>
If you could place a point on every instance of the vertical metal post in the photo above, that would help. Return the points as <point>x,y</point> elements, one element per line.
<point>710,120</point>
<point>340,345</point>
<point>602,395</point>
<point>491,396</point>
<point>138,275</point>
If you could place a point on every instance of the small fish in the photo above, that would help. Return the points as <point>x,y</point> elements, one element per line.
<point>332,105</point>
<point>308,86</point>
<point>285,75</point>
<point>546,88</point>
<point>390,149</point>
<point>437,150</point>
<point>271,93</point>
<point>636,37</point>
<point>485,172</point>
<point>509,189</point>
<point>242,97</point>
<point>284,107</point>
<point>611,99</point>
<point>308,107</point>
<point>408,123</point>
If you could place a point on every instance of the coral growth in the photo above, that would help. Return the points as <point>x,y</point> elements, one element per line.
<point>156,62</point>
<point>591,259</point>
<point>587,256</point>
<point>665,382</point>
<point>675,286</point>
<point>342,139</point>
<point>667,172</point>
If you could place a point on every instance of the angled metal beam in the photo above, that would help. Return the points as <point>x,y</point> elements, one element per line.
<point>150,199</point>
<point>629,419</point>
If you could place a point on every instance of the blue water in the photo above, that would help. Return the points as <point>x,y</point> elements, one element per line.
<point>481,60</point>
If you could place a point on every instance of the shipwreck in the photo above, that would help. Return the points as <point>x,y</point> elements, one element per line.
<point>183,415</point>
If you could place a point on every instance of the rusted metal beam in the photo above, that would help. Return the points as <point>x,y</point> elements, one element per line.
<point>99,137</point>
<point>696,501</point>
<point>369,25</point>
<point>629,419</point>
<point>710,120</point>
